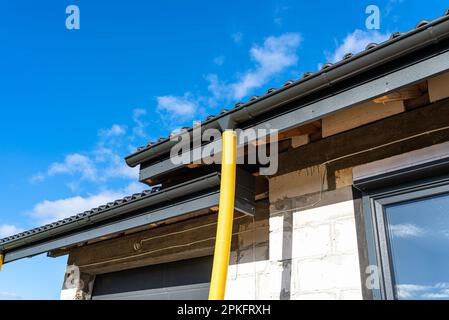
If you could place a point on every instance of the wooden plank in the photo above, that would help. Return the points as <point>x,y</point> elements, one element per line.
<point>359,115</point>
<point>369,136</point>
<point>302,130</point>
<point>412,92</point>
<point>439,87</point>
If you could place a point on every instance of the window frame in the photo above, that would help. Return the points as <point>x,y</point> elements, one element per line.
<point>374,203</point>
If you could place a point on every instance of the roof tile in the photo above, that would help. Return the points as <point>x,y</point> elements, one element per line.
<point>80,216</point>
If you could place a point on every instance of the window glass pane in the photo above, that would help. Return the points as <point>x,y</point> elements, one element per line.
<point>419,243</point>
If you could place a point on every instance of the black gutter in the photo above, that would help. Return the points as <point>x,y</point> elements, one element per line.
<point>372,57</point>
<point>169,194</point>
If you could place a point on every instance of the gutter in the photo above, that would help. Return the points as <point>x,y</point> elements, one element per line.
<point>197,185</point>
<point>422,36</point>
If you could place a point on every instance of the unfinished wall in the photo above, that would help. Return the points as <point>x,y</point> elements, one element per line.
<point>249,264</point>
<point>76,285</point>
<point>317,241</point>
<point>313,239</point>
<point>439,87</point>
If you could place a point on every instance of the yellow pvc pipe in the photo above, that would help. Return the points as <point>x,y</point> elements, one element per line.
<point>225,216</point>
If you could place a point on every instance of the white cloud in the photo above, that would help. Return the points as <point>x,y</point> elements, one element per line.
<point>443,294</point>
<point>74,186</point>
<point>49,211</point>
<point>104,161</point>
<point>220,60</point>
<point>237,37</point>
<point>391,5</point>
<point>114,131</point>
<point>7,230</point>
<point>75,164</point>
<point>278,21</point>
<point>113,165</point>
<point>177,107</point>
<point>9,296</point>
<point>410,291</point>
<point>414,291</point>
<point>37,178</point>
<point>273,57</point>
<point>135,187</point>
<point>121,170</point>
<point>407,230</point>
<point>278,14</point>
<point>355,42</point>
<point>102,164</point>
<point>276,55</point>
<point>218,89</point>
<point>140,125</point>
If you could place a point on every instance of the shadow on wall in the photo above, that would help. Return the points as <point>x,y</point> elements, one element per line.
<point>284,210</point>
<point>287,245</point>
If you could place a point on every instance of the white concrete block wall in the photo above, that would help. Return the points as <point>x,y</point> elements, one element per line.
<point>315,257</point>
<point>248,272</point>
<point>247,280</point>
<point>324,258</point>
<point>77,285</point>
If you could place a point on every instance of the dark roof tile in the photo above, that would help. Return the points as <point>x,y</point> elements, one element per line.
<point>422,23</point>
<point>307,74</point>
<point>254,98</point>
<point>371,45</point>
<point>80,216</point>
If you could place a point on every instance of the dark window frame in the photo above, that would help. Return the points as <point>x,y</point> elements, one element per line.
<point>374,203</point>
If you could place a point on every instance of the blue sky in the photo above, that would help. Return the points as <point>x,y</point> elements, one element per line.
<point>419,232</point>
<point>75,102</point>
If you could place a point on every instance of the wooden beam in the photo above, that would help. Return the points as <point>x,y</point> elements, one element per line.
<point>408,93</point>
<point>375,134</point>
<point>299,131</point>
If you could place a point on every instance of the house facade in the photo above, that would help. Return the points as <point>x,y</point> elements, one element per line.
<point>357,208</point>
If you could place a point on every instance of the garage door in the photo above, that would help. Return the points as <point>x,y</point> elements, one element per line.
<point>182,280</point>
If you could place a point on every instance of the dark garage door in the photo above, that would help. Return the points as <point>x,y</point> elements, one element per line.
<point>184,280</point>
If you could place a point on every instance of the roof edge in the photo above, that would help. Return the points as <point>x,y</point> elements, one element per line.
<point>111,210</point>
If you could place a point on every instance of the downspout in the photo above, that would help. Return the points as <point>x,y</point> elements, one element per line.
<point>225,216</point>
